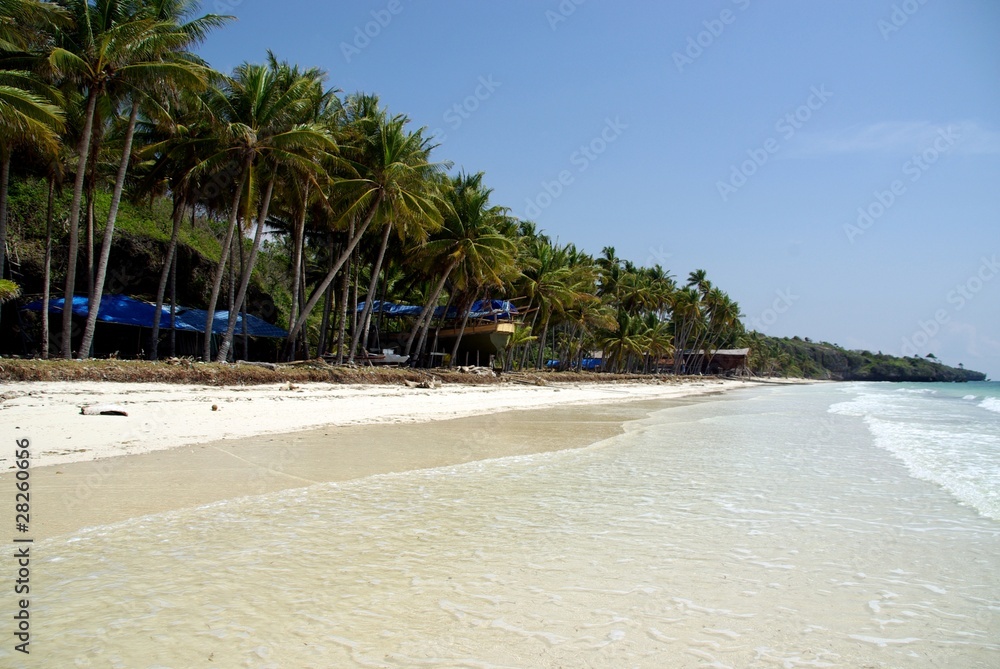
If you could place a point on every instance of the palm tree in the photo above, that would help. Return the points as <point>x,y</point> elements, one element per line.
<point>687,314</point>
<point>658,340</point>
<point>409,205</point>
<point>588,315</point>
<point>116,51</point>
<point>520,337</point>
<point>171,152</point>
<point>305,190</point>
<point>26,119</point>
<point>549,285</point>
<point>623,340</point>
<point>150,64</point>
<point>54,176</point>
<point>698,278</point>
<point>21,20</point>
<point>258,116</point>
<point>30,111</point>
<point>274,104</point>
<point>398,176</point>
<point>471,245</point>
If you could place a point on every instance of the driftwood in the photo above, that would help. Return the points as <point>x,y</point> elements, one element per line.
<point>525,379</point>
<point>478,371</point>
<point>315,362</point>
<point>429,384</point>
<point>265,365</point>
<point>104,410</point>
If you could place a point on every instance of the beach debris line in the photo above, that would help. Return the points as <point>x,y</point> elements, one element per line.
<point>431,384</point>
<point>103,410</point>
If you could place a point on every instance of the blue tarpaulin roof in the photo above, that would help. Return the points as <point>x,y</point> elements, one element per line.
<point>125,310</point>
<point>483,309</point>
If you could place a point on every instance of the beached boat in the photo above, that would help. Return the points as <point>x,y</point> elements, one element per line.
<point>479,341</point>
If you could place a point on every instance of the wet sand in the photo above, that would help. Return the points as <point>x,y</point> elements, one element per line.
<point>75,495</point>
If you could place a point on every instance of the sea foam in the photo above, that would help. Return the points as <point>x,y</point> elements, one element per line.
<point>991,404</point>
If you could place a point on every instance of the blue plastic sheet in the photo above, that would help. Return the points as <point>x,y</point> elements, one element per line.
<point>125,310</point>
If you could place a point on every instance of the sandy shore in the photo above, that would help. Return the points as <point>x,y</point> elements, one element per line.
<point>174,451</point>
<point>163,416</point>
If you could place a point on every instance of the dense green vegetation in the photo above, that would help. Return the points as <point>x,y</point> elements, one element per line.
<point>128,165</point>
<point>803,358</point>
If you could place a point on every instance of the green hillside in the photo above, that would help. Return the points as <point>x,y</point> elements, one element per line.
<point>808,359</point>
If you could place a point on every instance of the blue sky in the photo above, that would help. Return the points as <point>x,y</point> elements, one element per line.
<point>834,166</point>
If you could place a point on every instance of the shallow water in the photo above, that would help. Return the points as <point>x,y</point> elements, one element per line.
<point>761,529</point>
<point>948,434</point>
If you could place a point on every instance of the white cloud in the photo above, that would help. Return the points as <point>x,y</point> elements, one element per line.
<point>896,137</point>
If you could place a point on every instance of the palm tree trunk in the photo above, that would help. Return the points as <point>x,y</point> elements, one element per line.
<point>356,264</point>
<point>344,293</point>
<point>47,272</point>
<point>437,330</point>
<point>381,313</point>
<point>241,307</point>
<point>541,341</point>
<point>429,309</point>
<point>303,339</point>
<point>165,274</point>
<point>371,314</point>
<point>247,271</point>
<point>527,345</point>
<point>372,286</point>
<point>109,231</point>
<point>461,333</point>
<point>4,183</point>
<point>299,243</point>
<point>83,150</point>
<point>91,216</point>
<point>345,254</point>
<point>220,269</point>
<point>324,323</point>
<point>231,280</point>
<point>680,329</point>
<point>173,302</point>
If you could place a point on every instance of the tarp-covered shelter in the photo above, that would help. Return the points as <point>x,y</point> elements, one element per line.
<point>124,311</point>
<point>502,310</point>
<point>489,327</point>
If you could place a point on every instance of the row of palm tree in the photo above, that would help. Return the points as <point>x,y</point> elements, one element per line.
<point>108,95</point>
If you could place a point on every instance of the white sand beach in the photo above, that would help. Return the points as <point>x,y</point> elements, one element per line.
<point>164,416</point>
<point>181,446</point>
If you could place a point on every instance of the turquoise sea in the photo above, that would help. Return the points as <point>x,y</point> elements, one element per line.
<point>832,525</point>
